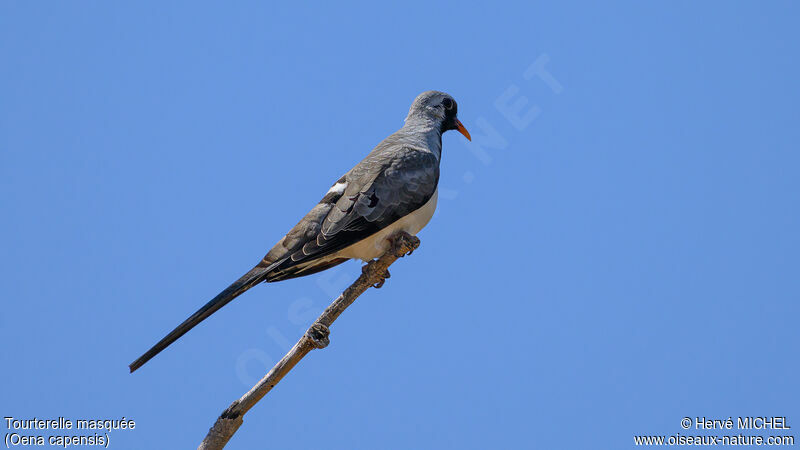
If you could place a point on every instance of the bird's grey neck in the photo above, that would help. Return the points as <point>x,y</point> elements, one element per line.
<point>427,130</point>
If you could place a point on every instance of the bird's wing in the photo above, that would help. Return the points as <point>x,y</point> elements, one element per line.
<point>388,184</point>
<point>384,187</point>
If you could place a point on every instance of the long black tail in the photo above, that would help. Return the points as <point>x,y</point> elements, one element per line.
<point>248,280</point>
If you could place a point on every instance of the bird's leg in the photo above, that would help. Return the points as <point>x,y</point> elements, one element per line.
<point>403,243</point>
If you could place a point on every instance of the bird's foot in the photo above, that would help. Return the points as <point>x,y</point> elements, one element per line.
<point>404,243</point>
<point>385,275</point>
<point>367,269</point>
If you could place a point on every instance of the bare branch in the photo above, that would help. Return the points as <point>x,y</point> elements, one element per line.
<point>373,274</point>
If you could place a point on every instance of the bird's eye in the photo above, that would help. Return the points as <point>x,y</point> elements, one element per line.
<point>447,103</point>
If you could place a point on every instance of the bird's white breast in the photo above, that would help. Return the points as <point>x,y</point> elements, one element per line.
<point>376,245</point>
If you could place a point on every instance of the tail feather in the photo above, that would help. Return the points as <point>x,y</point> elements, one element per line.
<point>248,280</point>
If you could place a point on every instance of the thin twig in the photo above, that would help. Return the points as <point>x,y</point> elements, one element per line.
<point>373,274</point>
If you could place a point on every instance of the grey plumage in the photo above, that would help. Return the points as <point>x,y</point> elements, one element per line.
<point>396,178</point>
<point>393,188</point>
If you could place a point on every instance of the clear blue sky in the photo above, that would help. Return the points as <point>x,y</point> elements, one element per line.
<point>621,253</point>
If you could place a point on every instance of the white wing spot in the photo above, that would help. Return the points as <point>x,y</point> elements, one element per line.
<point>337,188</point>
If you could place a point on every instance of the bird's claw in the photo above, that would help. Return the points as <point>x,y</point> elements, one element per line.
<point>385,275</point>
<point>402,241</point>
<point>402,244</point>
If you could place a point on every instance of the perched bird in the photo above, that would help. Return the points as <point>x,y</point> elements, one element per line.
<point>393,189</point>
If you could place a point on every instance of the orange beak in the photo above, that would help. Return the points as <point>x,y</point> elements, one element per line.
<point>462,130</point>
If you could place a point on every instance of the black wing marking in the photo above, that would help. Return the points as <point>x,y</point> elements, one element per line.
<point>381,189</point>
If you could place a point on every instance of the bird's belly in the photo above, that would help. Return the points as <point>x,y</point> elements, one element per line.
<point>376,245</point>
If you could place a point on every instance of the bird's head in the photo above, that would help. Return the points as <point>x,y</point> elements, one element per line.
<point>439,108</point>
